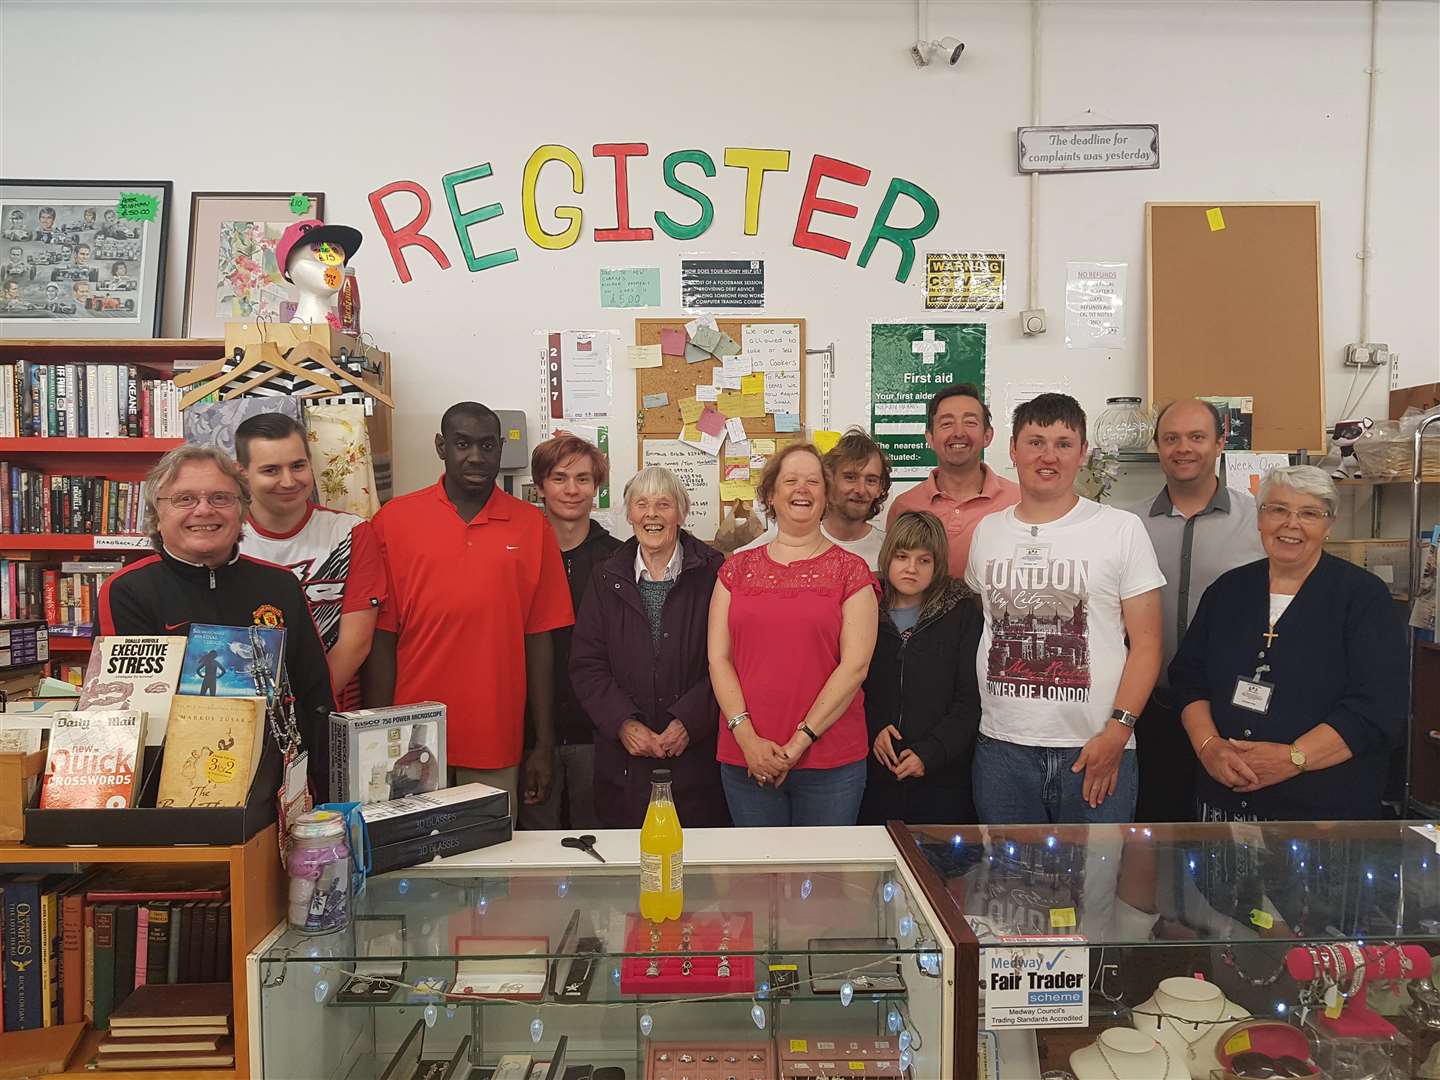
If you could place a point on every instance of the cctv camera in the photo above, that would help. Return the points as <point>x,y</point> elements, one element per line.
<point>952,47</point>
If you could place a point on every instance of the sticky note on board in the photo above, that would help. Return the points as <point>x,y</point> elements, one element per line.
<point>656,401</point>
<point>753,384</point>
<point>752,406</point>
<point>723,380</point>
<point>711,443</point>
<point>137,206</point>
<point>705,338</point>
<point>732,490</point>
<point>643,356</point>
<point>757,462</point>
<point>672,342</point>
<point>740,448</point>
<point>735,428</point>
<point>711,422</point>
<point>1062,916</point>
<point>787,421</point>
<point>735,468</point>
<point>730,403</point>
<point>762,448</point>
<point>689,433</point>
<point>690,410</point>
<point>707,393</point>
<point>825,440</point>
<point>1215,218</point>
<point>737,365</point>
<point>694,355</point>
<point>727,345</point>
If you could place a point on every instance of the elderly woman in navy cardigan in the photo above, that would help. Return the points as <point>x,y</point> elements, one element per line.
<point>1291,677</point>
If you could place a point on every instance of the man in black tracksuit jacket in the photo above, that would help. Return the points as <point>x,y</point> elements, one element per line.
<point>164,595</point>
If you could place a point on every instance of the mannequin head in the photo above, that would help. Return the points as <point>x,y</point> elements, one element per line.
<point>313,256</point>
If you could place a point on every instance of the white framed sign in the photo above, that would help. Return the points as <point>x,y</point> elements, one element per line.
<point>1088,148</point>
<point>1039,981</point>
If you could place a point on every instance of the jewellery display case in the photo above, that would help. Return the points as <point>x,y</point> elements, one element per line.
<point>800,953</point>
<point>1218,951</point>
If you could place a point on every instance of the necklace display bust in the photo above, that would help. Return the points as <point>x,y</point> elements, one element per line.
<point>1188,1016</point>
<point>1125,1054</point>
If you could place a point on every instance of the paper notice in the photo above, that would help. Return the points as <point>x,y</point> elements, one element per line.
<point>1095,305</point>
<point>643,356</point>
<point>579,375</point>
<point>774,349</point>
<point>696,470</point>
<point>707,393</point>
<point>735,428</point>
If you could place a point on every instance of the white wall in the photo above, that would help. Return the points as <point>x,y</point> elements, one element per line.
<point>1255,101</point>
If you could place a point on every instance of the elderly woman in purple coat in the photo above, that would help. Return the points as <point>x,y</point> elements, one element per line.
<point>639,665</point>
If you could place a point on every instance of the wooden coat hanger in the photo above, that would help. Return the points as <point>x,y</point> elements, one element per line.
<point>270,362</point>
<point>314,352</point>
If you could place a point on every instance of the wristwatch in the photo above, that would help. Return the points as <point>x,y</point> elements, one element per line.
<point>1125,717</point>
<point>1297,757</point>
<point>735,721</point>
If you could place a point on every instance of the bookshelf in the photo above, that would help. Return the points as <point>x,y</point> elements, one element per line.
<point>124,459</point>
<point>257,906</point>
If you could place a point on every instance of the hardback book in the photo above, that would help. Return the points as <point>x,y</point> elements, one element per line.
<point>127,920</point>
<point>211,751</point>
<point>116,1043</point>
<point>134,672</point>
<point>232,661</point>
<point>1239,416</point>
<point>221,1057</point>
<point>94,760</point>
<point>161,1005</point>
<point>22,944</point>
<point>393,752</point>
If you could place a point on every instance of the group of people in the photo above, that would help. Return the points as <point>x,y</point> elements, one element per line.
<point>1000,652</point>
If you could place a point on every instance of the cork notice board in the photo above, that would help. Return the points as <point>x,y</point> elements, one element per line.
<point>676,378</point>
<point>1235,309</point>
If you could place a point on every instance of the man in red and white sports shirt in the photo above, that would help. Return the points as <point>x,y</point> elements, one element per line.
<point>334,554</point>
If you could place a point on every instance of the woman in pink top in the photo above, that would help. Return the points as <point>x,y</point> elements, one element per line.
<point>792,627</point>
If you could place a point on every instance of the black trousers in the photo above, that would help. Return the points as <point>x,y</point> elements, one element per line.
<point>1167,765</point>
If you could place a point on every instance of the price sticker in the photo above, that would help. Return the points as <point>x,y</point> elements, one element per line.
<point>1062,916</point>
<point>1263,919</point>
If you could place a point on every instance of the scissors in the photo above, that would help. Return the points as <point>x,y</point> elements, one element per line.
<point>584,843</point>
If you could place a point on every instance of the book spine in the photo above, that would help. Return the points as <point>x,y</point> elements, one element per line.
<point>207,945</point>
<point>50,902</point>
<point>72,400</point>
<point>81,429</point>
<point>89,1007</point>
<point>37,401</point>
<point>22,955</point>
<point>47,966</point>
<point>72,957</point>
<point>132,403</point>
<point>104,994</point>
<point>92,400</point>
<point>145,408</point>
<point>222,944</point>
<point>7,418</point>
<point>142,943</point>
<point>177,930</point>
<point>47,383</point>
<point>157,955</point>
<point>190,947</point>
<point>126,918</point>
<point>52,601</point>
<point>77,505</point>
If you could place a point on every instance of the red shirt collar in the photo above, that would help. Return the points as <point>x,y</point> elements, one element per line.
<point>309,513</point>
<point>496,508</point>
<point>989,484</point>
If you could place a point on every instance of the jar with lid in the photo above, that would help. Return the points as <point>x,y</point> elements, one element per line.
<point>1124,426</point>
<point>319,866</point>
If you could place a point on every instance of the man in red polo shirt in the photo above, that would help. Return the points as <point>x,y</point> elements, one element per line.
<point>962,489</point>
<point>475,586</point>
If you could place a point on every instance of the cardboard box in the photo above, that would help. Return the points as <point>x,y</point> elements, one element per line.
<point>422,849</point>
<point>433,812</point>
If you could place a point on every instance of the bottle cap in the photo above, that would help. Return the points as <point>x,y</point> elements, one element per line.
<point>660,776</point>
<point>317,824</point>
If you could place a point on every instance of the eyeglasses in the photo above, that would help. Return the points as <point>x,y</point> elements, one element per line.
<point>1257,1066</point>
<point>1276,514</point>
<point>188,500</point>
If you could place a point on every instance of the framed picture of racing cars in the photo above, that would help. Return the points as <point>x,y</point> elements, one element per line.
<point>82,258</point>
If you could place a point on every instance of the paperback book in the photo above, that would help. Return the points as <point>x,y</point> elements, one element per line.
<point>211,751</point>
<point>232,661</point>
<point>135,672</point>
<point>93,761</point>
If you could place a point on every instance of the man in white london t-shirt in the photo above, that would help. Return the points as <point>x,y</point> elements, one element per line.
<point>1063,581</point>
<point>857,476</point>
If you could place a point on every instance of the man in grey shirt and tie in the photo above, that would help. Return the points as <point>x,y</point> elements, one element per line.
<point>1200,529</point>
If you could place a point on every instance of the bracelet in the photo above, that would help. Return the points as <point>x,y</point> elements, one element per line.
<point>806,729</point>
<point>735,721</point>
<point>1204,744</point>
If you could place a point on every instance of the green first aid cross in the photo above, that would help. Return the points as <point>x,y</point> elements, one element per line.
<point>909,363</point>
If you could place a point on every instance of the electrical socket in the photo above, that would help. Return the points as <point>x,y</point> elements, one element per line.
<point>1370,354</point>
<point>1032,322</point>
<point>1394,371</point>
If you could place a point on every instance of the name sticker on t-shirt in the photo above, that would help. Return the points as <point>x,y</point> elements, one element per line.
<point>1253,694</point>
<point>1032,556</point>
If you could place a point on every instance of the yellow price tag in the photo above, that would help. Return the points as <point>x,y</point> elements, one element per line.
<point>1062,916</point>
<point>1215,218</point>
<point>1263,919</point>
<point>856,1066</point>
<point>220,767</point>
<point>1238,1044</point>
<point>514,434</point>
<point>799,1046</point>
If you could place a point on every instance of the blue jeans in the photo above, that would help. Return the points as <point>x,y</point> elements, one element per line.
<point>1033,785</point>
<point>808,797</point>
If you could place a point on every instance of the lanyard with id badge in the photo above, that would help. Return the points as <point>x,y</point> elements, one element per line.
<point>1253,694</point>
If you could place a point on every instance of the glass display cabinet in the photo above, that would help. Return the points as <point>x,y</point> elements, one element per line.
<point>800,953</point>
<point>1190,952</point>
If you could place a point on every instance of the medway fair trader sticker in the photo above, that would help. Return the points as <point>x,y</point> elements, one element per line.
<point>1035,982</point>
